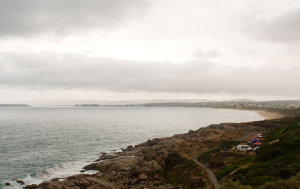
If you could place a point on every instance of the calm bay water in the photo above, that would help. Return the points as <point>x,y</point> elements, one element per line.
<point>42,143</point>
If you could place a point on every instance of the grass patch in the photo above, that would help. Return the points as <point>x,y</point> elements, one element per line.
<point>182,171</point>
<point>291,183</point>
<point>226,171</point>
<point>221,160</point>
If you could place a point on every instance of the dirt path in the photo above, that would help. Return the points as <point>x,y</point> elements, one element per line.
<point>211,176</point>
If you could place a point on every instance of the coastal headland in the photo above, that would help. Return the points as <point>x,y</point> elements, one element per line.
<point>181,161</point>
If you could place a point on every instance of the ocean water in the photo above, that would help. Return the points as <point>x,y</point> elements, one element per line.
<point>41,143</point>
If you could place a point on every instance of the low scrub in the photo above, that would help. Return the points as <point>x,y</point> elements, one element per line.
<point>291,183</point>
<point>222,160</point>
<point>226,171</point>
<point>229,184</point>
<point>275,161</point>
<point>182,171</point>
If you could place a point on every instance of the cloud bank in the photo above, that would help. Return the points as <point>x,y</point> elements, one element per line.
<point>34,17</point>
<point>65,71</point>
<point>283,28</point>
<point>117,46</point>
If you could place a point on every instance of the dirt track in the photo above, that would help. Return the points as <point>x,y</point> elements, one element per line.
<point>211,176</point>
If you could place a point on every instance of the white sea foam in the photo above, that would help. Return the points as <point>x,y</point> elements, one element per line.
<point>64,170</point>
<point>60,171</point>
<point>27,180</point>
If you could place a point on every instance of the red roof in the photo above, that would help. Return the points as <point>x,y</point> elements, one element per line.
<point>257,143</point>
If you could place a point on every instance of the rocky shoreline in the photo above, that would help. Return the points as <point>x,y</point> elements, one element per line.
<point>146,165</point>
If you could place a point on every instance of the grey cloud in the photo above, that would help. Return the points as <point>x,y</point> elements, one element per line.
<point>283,28</point>
<point>49,71</point>
<point>32,17</point>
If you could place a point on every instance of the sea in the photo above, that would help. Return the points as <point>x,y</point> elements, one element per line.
<point>42,143</point>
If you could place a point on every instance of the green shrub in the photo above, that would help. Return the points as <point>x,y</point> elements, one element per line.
<point>207,155</point>
<point>297,177</point>
<point>229,184</point>
<point>229,144</point>
<point>231,154</point>
<point>182,171</point>
<point>259,180</point>
<point>285,173</point>
<point>281,184</point>
<point>226,171</point>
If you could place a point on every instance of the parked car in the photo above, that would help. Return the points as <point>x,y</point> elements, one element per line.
<point>259,136</point>
<point>243,148</point>
<point>255,148</point>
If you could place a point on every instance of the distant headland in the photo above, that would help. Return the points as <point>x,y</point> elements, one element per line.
<point>13,105</point>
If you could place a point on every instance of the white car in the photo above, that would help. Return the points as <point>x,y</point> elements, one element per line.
<point>259,136</point>
<point>243,148</point>
<point>255,148</point>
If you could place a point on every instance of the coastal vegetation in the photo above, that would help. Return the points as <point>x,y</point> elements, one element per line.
<point>276,163</point>
<point>291,183</point>
<point>180,170</point>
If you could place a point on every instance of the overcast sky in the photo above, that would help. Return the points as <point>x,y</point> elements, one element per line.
<point>149,49</point>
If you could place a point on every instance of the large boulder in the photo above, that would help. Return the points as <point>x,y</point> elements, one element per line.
<point>142,177</point>
<point>121,163</point>
<point>75,182</point>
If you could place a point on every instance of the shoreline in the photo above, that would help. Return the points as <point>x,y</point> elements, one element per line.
<point>138,166</point>
<point>268,115</point>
